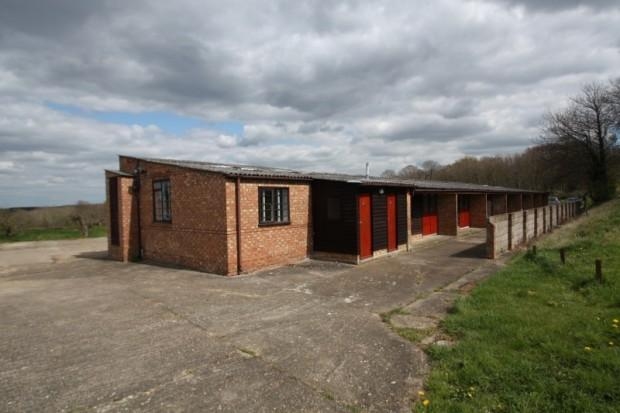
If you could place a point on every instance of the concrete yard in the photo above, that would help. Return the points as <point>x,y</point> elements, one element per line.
<point>80,332</point>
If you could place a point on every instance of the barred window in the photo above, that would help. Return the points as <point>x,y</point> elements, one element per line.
<point>273,206</point>
<point>161,201</point>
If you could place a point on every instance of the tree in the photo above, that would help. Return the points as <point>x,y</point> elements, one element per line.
<point>13,221</point>
<point>586,131</point>
<point>86,216</point>
<point>430,167</point>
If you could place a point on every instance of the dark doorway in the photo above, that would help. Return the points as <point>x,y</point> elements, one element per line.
<point>113,203</point>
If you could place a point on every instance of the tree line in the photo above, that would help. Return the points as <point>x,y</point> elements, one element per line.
<point>83,216</point>
<point>576,153</point>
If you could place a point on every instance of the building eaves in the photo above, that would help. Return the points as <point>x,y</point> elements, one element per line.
<point>119,173</point>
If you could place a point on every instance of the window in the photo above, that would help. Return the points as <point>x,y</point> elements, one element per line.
<point>273,206</point>
<point>161,201</point>
<point>333,209</point>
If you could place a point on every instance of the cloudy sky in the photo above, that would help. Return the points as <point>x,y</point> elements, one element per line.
<point>301,84</point>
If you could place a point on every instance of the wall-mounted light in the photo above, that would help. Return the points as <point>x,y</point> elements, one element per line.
<point>381,191</point>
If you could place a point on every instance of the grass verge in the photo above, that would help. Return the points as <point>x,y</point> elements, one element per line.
<point>538,336</point>
<point>48,234</point>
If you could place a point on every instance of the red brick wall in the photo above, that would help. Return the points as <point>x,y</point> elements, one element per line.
<point>202,234</point>
<point>478,210</point>
<point>263,246</point>
<point>447,214</point>
<point>128,228</point>
<point>197,236</point>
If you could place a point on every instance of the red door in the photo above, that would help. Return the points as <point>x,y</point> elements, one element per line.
<point>365,229</point>
<point>391,222</point>
<point>464,215</point>
<point>429,217</point>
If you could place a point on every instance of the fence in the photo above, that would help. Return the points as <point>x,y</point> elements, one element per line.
<point>508,231</point>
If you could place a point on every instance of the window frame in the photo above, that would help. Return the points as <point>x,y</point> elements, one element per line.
<point>163,205</point>
<point>273,190</point>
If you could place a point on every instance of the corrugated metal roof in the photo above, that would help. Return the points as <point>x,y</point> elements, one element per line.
<point>282,173</point>
<point>462,186</point>
<point>234,170</point>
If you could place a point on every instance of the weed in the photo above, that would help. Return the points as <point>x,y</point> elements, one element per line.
<point>386,317</point>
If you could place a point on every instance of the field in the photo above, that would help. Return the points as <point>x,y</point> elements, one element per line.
<point>46,234</point>
<point>539,336</point>
<point>52,223</point>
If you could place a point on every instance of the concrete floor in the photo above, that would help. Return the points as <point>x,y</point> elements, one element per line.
<point>80,332</point>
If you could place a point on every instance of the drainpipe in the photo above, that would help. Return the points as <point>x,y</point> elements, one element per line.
<point>238,221</point>
<point>136,187</point>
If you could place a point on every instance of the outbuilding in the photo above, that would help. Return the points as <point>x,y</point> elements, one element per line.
<point>231,219</point>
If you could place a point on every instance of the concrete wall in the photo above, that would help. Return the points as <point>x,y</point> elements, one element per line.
<point>529,224</point>
<point>511,230</point>
<point>515,229</point>
<point>497,235</point>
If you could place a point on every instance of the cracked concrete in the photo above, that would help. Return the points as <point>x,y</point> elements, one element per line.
<point>83,333</point>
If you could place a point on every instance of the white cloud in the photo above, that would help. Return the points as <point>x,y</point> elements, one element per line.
<point>317,86</point>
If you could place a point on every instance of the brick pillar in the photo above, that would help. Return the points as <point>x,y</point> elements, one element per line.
<point>478,210</point>
<point>447,214</point>
<point>127,247</point>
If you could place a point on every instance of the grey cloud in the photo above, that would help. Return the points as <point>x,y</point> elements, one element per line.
<point>317,85</point>
<point>437,129</point>
<point>556,5</point>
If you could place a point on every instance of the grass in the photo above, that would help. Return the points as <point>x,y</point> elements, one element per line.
<point>538,336</point>
<point>386,317</point>
<point>46,234</point>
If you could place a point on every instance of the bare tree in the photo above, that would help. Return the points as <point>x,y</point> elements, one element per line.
<point>87,216</point>
<point>587,128</point>
<point>411,172</point>
<point>14,221</point>
<point>430,167</point>
<point>388,173</point>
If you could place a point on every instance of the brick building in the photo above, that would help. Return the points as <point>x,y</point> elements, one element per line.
<point>230,219</point>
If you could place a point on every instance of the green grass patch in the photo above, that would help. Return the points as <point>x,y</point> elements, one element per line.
<point>413,334</point>
<point>538,336</point>
<point>48,234</point>
<point>386,317</point>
